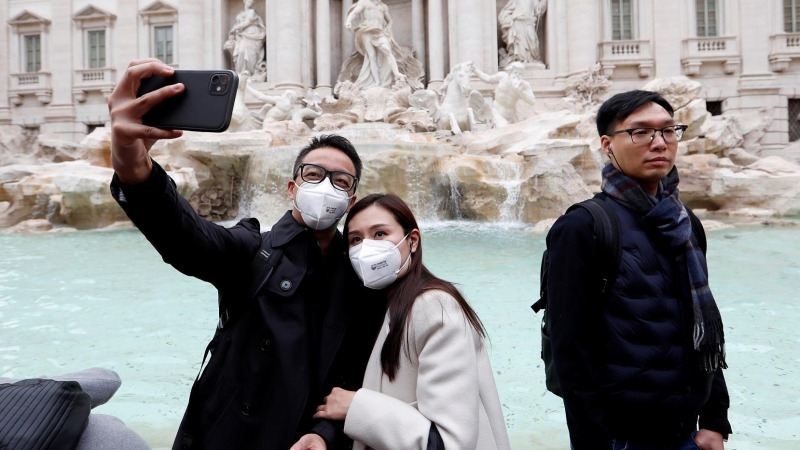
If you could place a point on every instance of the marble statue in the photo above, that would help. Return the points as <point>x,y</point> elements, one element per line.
<point>277,108</point>
<point>511,88</point>
<point>246,43</point>
<point>455,107</point>
<point>312,110</point>
<point>380,61</point>
<point>241,118</point>
<point>519,24</point>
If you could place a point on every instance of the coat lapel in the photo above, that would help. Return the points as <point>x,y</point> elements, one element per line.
<point>335,322</point>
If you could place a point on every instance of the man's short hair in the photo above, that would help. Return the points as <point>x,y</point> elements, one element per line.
<point>619,107</point>
<point>329,140</point>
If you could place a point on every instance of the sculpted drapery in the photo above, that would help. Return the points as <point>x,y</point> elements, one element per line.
<point>247,41</point>
<point>519,22</point>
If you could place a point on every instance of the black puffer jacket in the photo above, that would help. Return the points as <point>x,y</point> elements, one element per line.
<point>625,364</point>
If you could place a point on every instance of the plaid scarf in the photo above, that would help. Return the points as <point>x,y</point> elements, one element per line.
<point>665,214</point>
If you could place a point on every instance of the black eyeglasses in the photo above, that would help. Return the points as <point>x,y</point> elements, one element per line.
<point>645,135</point>
<point>314,174</point>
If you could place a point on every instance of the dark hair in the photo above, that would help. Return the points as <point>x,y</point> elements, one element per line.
<point>418,280</point>
<point>329,140</point>
<point>619,107</point>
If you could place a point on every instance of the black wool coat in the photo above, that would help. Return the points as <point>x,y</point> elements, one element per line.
<point>310,328</point>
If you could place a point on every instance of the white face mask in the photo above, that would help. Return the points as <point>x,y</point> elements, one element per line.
<point>320,204</point>
<point>377,263</point>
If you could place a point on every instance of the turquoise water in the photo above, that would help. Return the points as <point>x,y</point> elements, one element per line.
<point>71,301</point>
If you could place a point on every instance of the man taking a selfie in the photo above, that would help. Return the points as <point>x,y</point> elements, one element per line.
<point>294,320</point>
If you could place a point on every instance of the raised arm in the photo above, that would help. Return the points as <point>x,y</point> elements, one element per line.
<point>448,393</point>
<point>354,12</point>
<point>149,197</point>
<point>130,139</point>
<point>486,78</point>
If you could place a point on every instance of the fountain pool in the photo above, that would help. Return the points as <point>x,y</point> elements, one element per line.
<point>71,301</point>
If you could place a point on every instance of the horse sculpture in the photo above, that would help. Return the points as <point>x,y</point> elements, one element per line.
<point>452,108</point>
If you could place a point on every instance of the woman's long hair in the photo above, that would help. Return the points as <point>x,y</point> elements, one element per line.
<point>402,293</point>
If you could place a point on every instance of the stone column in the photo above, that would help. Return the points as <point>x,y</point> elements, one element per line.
<point>418,29</point>
<point>5,67</point>
<point>758,86</point>
<point>583,30</point>
<point>323,47</point>
<point>472,36</point>
<point>285,44</point>
<point>348,44</point>
<point>436,41</point>
<point>667,42</point>
<point>190,35</point>
<point>125,33</point>
<point>59,117</point>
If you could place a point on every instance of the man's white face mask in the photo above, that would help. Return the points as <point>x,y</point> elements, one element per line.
<point>320,204</point>
<point>377,263</point>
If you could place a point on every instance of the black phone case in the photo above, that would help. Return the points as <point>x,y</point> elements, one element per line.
<point>196,108</point>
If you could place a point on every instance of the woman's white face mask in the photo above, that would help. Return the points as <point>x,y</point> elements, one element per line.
<point>377,263</point>
<point>321,204</point>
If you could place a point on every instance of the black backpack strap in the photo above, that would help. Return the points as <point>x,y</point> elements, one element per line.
<point>609,237</point>
<point>609,245</point>
<point>698,230</point>
<point>262,267</point>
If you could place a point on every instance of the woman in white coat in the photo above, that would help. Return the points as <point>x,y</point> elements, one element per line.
<point>428,383</point>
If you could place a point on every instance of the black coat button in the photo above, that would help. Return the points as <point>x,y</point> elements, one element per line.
<point>265,344</point>
<point>246,409</point>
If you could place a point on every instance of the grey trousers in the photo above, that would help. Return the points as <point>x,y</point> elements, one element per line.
<point>103,432</point>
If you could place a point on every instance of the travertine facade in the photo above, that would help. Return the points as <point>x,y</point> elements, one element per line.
<point>59,59</point>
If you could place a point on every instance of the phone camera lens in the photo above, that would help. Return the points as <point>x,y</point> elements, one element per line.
<point>215,79</point>
<point>224,79</point>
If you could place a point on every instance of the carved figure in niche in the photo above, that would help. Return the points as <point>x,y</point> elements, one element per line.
<point>246,43</point>
<point>460,109</point>
<point>380,60</point>
<point>519,23</point>
<point>511,88</point>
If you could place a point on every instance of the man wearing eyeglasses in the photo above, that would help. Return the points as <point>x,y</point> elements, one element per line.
<point>294,319</point>
<point>639,362</point>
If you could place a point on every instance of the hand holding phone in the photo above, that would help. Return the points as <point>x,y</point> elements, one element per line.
<point>130,139</point>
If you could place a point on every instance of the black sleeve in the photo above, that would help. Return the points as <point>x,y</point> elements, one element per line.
<point>574,317</point>
<point>714,414</point>
<point>435,441</point>
<point>329,430</point>
<point>191,244</point>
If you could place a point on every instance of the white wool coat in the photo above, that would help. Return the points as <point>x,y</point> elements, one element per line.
<point>447,380</point>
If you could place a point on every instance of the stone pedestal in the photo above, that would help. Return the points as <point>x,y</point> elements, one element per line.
<point>762,93</point>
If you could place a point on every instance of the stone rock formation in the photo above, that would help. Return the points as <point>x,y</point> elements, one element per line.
<point>529,171</point>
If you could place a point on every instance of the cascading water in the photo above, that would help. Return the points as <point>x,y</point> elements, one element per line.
<point>393,163</point>
<point>509,174</point>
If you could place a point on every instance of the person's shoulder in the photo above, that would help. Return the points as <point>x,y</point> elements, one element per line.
<point>579,219</point>
<point>435,306</point>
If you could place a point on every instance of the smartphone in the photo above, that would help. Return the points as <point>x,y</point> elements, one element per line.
<point>205,105</point>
